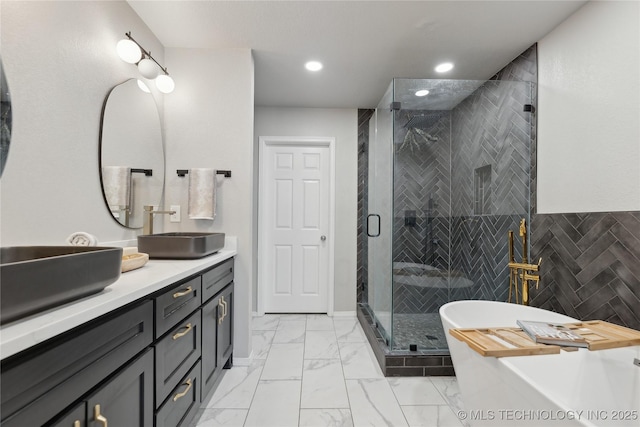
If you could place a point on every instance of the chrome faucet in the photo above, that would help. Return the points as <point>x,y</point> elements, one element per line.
<point>147,221</point>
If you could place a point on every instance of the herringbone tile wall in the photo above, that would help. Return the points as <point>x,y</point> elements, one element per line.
<point>591,265</point>
<point>434,195</point>
<point>421,191</point>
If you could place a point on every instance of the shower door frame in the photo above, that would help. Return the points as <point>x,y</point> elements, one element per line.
<point>380,205</point>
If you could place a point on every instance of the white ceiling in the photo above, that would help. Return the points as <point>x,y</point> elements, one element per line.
<point>363,44</point>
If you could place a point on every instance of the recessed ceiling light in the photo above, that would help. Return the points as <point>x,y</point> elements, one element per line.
<point>313,66</point>
<point>422,92</point>
<point>444,67</point>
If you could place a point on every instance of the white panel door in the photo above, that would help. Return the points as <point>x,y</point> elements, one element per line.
<point>295,254</point>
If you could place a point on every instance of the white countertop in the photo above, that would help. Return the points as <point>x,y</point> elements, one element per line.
<point>131,286</point>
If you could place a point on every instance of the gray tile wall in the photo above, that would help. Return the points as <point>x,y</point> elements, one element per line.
<point>591,265</point>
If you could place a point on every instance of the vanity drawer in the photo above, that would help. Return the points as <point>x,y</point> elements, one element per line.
<point>177,303</point>
<point>176,353</point>
<point>214,280</point>
<point>183,402</point>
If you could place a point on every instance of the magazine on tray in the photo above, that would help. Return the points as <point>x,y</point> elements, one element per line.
<point>552,333</point>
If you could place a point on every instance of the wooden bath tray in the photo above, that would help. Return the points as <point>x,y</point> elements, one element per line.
<point>504,342</point>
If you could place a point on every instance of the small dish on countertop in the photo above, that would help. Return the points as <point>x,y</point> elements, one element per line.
<point>133,261</point>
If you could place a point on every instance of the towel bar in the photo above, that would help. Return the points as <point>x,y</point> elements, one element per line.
<point>183,172</point>
<point>146,172</point>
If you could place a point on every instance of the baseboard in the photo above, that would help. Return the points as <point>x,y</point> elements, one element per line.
<point>344,314</point>
<point>335,314</point>
<point>243,361</point>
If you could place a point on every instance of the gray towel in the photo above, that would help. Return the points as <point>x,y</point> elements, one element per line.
<point>202,193</point>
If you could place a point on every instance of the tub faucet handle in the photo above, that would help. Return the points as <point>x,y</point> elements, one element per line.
<point>531,277</point>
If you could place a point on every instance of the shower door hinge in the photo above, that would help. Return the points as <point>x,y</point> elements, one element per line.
<point>395,106</point>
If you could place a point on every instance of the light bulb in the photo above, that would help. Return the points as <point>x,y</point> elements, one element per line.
<point>148,68</point>
<point>143,87</point>
<point>165,83</point>
<point>444,67</point>
<point>128,51</point>
<point>313,66</point>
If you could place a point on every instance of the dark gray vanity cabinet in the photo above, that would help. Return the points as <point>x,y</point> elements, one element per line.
<point>147,364</point>
<point>194,341</point>
<point>40,383</point>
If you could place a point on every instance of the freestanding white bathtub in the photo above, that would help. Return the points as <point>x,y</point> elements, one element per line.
<point>579,388</point>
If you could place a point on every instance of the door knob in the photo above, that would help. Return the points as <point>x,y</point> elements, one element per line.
<point>323,238</point>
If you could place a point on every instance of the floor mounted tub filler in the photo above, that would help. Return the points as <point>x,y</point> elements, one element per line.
<point>577,388</point>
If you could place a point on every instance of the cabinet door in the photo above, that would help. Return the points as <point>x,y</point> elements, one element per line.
<point>211,312</point>
<point>225,327</point>
<point>127,399</point>
<point>217,337</point>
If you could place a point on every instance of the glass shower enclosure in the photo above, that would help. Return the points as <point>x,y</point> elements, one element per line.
<point>449,174</point>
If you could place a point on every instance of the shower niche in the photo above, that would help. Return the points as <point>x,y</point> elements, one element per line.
<point>445,176</point>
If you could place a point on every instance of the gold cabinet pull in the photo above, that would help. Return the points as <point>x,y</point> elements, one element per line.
<point>188,383</point>
<point>183,293</point>
<point>98,417</point>
<point>177,335</point>
<point>76,423</point>
<point>224,307</point>
<point>221,318</point>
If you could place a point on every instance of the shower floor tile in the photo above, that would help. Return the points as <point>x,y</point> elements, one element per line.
<point>423,329</point>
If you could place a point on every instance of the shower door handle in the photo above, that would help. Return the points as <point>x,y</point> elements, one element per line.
<point>368,221</point>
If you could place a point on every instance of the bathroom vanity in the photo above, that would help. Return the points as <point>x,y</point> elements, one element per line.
<point>144,352</point>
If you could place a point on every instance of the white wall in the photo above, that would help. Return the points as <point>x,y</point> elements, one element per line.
<point>209,124</point>
<point>343,125</point>
<point>589,111</point>
<point>60,61</point>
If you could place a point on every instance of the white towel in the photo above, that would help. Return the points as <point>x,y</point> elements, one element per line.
<point>116,181</point>
<point>81,238</point>
<point>202,193</point>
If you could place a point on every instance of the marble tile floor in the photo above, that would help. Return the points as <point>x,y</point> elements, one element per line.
<point>319,371</point>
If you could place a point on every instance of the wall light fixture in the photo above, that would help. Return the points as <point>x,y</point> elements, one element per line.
<point>129,50</point>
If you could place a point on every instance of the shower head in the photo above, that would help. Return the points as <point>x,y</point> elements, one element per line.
<point>424,120</point>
